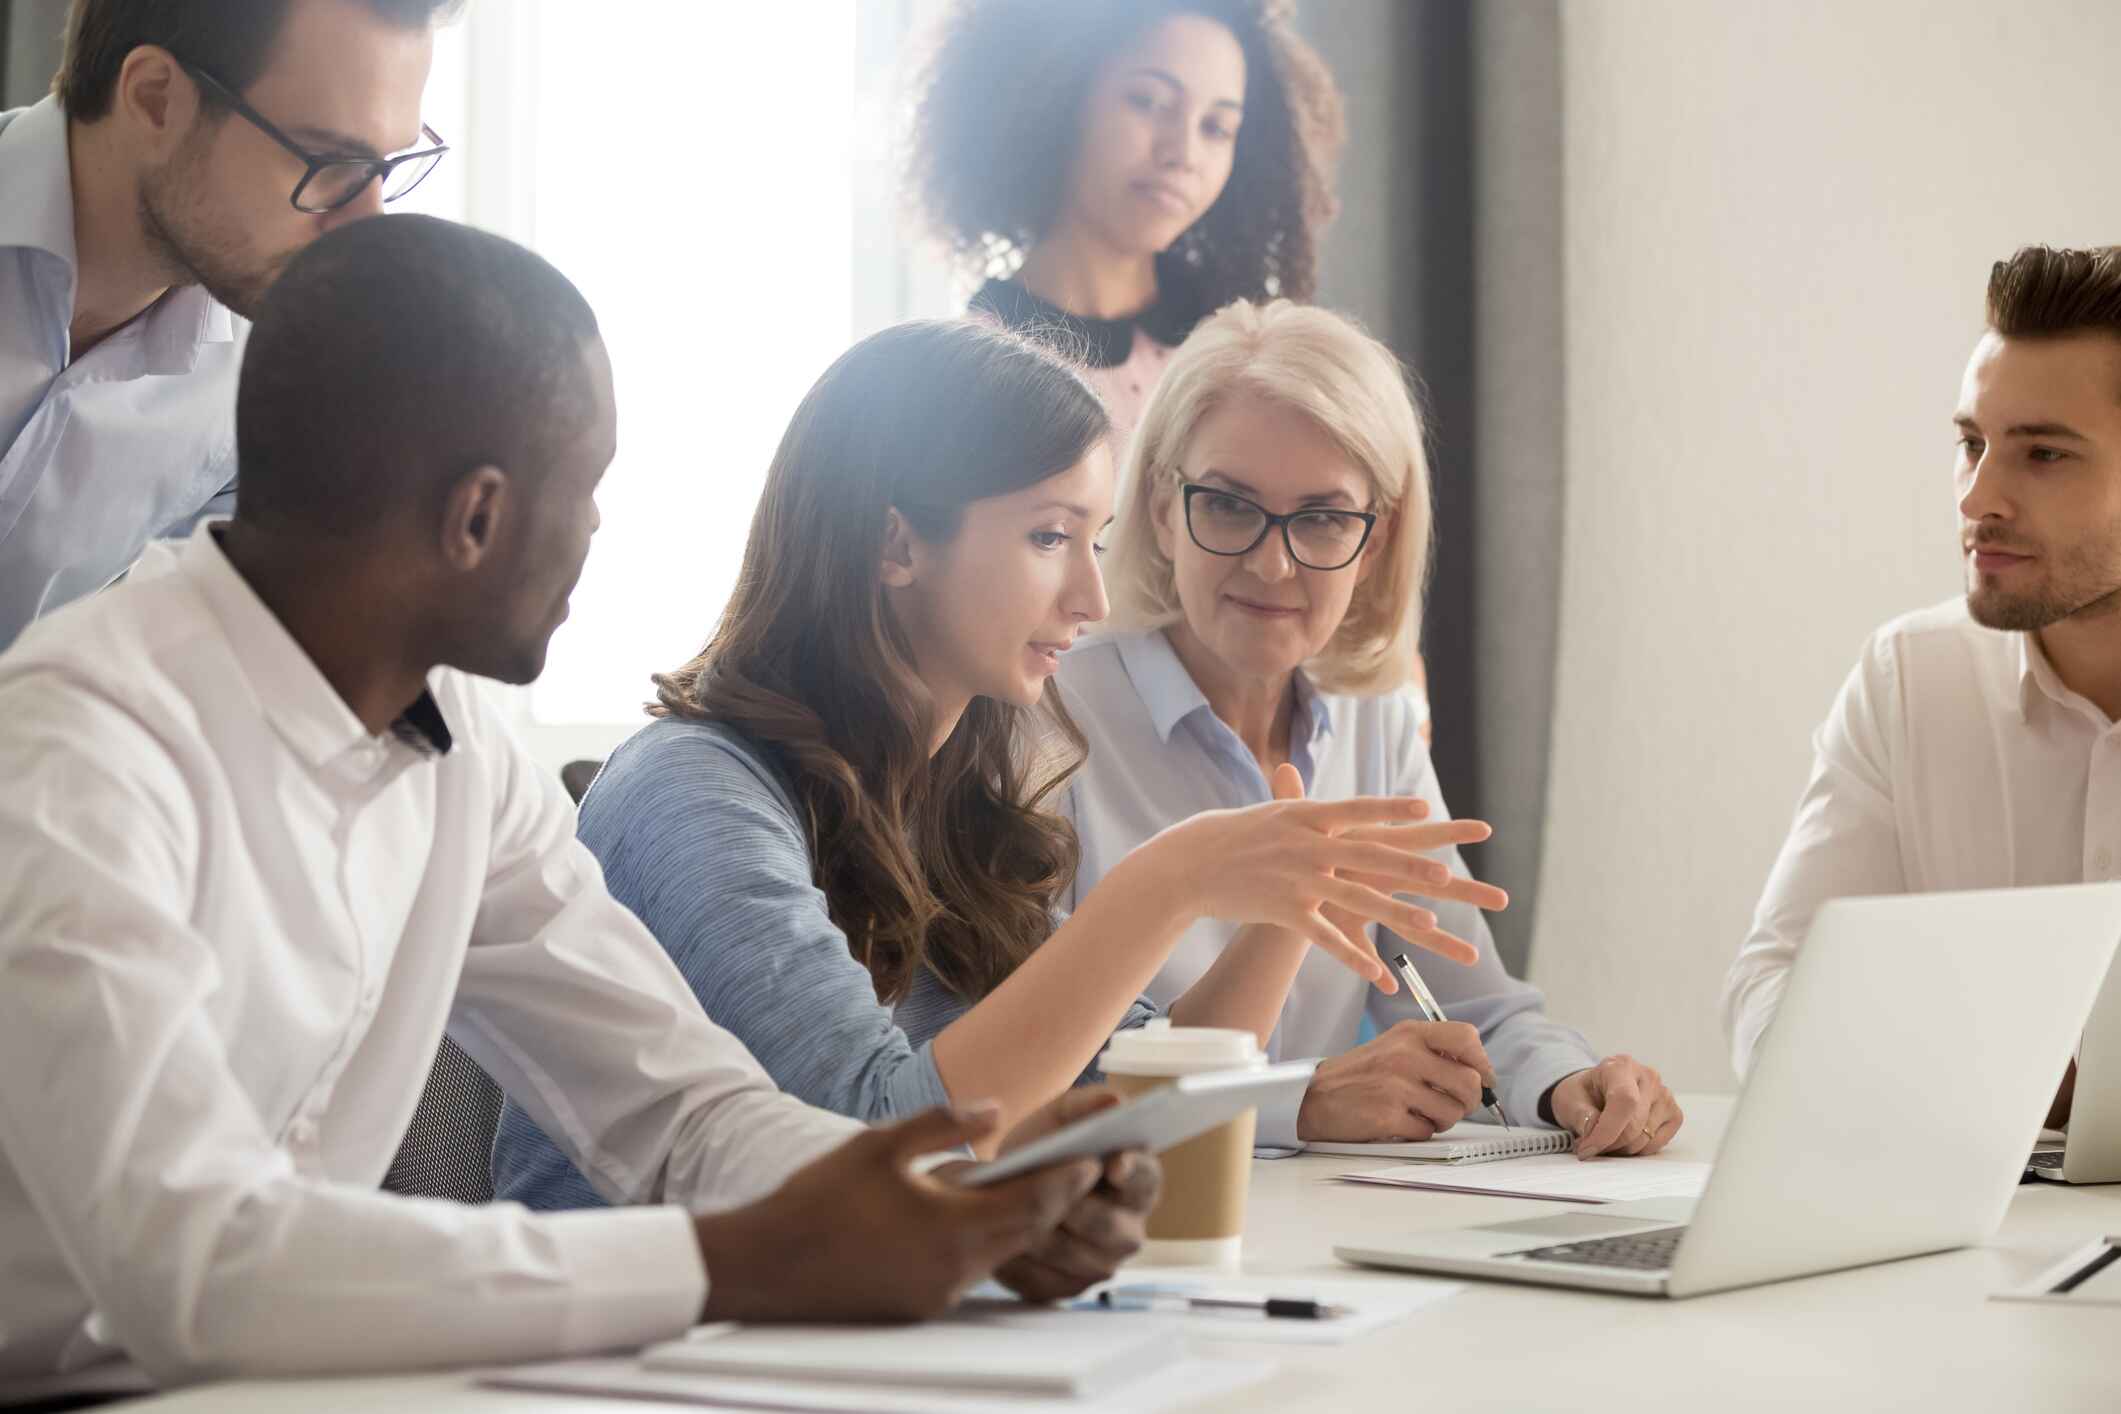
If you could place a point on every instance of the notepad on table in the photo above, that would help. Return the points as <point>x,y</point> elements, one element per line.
<point>1037,1353</point>
<point>1557,1178</point>
<point>1460,1144</point>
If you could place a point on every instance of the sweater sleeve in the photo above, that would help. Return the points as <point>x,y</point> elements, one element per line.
<point>698,837</point>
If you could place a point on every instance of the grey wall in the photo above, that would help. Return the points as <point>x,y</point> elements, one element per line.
<point>1449,249</point>
<point>29,48</point>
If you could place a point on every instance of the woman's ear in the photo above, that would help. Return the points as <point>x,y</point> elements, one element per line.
<point>1164,513</point>
<point>901,560</point>
<point>1380,537</point>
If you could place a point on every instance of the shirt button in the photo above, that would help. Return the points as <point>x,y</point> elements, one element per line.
<point>2103,861</point>
<point>303,1131</point>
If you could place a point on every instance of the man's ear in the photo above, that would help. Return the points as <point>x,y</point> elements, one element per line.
<point>901,564</point>
<point>473,516</point>
<point>156,98</point>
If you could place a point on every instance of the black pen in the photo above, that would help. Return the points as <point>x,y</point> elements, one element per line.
<point>1424,999</point>
<point>1149,1299</point>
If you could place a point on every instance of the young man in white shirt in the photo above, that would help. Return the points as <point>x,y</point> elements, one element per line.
<point>1975,745</point>
<point>261,841</point>
<point>188,149</point>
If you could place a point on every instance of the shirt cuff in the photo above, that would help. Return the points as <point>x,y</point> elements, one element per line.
<point>635,1276</point>
<point>1522,1089</point>
<point>1277,1119</point>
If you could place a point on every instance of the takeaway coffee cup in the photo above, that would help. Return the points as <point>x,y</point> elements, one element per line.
<point>1200,1218</point>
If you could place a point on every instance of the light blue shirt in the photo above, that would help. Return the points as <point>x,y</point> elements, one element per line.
<point>133,440</point>
<point>1159,754</point>
<point>699,834</point>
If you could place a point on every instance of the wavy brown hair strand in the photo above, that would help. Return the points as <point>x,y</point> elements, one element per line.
<point>950,864</point>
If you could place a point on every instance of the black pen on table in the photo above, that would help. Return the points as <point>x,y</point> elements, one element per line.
<point>1151,1298</point>
<point>1426,1000</point>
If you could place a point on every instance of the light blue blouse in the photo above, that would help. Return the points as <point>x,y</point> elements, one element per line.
<point>1159,754</point>
<point>699,834</point>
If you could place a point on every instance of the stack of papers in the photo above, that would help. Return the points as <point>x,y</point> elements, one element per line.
<point>1013,1353</point>
<point>970,1363</point>
<point>624,1377</point>
<point>1558,1178</point>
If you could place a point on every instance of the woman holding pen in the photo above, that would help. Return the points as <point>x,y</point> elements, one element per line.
<point>838,822</point>
<point>1266,577</point>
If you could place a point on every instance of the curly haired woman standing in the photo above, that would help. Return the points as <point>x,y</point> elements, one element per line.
<point>1123,168</point>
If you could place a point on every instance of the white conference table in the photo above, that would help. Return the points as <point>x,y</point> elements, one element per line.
<point>1916,1334</point>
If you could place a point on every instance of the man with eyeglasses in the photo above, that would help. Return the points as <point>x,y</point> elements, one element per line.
<point>188,150</point>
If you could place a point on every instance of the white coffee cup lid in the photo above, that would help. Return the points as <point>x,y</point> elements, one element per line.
<point>1160,1048</point>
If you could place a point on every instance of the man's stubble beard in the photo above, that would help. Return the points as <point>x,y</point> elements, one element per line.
<point>2082,585</point>
<point>190,255</point>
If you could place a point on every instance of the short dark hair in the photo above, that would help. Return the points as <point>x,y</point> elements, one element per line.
<point>2044,291</point>
<point>230,39</point>
<point>998,114</point>
<point>394,355</point>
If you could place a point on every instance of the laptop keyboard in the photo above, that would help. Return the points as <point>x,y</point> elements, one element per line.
<point>2047,1159</point>
<point>1644,1252</point>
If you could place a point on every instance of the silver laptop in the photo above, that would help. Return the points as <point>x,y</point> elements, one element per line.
<point>2092,1152</point>
<point>1889,1112</point>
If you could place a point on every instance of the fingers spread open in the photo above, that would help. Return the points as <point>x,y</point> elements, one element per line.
<point>1471,891</point>
<point>1359,810</point>
<point>1443,944</point>
<point>1377,905</point>
<point>1395,869</point>
<point>1352,951</point>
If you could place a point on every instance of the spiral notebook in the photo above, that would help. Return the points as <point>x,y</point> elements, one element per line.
<point>1460,1144</point>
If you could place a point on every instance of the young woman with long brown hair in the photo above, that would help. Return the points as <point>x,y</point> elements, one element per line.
<point>838,823</point>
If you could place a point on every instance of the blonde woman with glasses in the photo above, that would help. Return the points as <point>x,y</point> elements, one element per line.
<point>1265,578</point>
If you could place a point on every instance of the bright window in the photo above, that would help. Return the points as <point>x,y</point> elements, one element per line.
<point>714,178</point>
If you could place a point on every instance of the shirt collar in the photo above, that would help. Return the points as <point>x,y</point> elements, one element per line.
<point>300,702</point>
<point>2037,679</point>
<point>39,211</point>
<point>34,163</point>
<point>1171,695</point>
<point>1101,343</point>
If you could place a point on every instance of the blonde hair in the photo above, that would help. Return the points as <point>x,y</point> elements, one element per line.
<point>1324,366</point>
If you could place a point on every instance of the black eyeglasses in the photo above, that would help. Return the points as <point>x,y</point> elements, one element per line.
<point>1225,523</point>
<point>334,181</point>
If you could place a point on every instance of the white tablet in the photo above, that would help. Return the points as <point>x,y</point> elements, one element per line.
<point>1189,1105</point>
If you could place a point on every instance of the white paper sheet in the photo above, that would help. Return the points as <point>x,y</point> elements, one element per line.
<point>1555,1177</point>
<point>622,1376</point>
<point>1371,1304</point>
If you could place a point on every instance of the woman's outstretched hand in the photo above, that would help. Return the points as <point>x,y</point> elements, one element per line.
<point>1325,870</point>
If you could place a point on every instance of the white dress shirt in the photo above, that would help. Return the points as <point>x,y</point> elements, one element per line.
<point>1159,755</point>
<point>233,928</point>
<point>101,453</point>
<point>1954,758</point>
